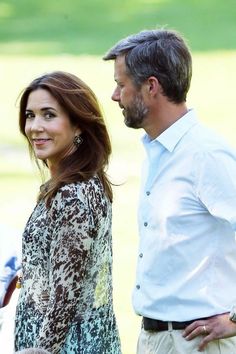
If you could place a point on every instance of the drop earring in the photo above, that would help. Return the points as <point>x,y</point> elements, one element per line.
<point>77,140</point>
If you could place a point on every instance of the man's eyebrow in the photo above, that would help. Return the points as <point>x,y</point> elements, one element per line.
<point>118,81</point>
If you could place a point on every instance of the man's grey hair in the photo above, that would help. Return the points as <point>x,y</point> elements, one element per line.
<point>161,53</point>
<point>33,351</point>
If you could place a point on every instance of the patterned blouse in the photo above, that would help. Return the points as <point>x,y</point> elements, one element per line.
<point>65,304</point>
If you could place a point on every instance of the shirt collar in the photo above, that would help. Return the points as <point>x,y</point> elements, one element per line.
<point>171,136</point>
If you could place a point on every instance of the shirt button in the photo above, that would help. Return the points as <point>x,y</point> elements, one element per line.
<point>145,224</point>
<point>138,287</point>
<point>141,255</point>
<point>148,193</point>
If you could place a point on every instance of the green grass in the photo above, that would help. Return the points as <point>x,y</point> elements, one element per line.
<point>42,27</point>
<point>212,94</point>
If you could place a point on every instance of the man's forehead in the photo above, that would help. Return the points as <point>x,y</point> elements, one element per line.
<point>120,66</point>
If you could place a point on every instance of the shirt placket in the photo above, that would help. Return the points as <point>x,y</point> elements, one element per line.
<point>154,152</point>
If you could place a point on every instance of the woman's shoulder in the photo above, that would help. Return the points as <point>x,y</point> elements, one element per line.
<point>82,191</point>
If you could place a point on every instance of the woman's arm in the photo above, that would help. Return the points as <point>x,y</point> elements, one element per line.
<point>69,252</point>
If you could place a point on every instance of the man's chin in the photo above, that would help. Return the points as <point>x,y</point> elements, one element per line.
<point>131,124</point>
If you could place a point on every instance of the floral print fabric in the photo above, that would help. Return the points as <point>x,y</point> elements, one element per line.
<point>65,304</point>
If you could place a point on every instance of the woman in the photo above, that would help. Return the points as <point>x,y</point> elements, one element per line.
<point>65,305</point>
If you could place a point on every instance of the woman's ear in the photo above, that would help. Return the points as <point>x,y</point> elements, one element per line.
<point>78,131</point>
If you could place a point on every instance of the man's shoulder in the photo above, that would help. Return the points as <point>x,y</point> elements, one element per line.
<point>203,139</point>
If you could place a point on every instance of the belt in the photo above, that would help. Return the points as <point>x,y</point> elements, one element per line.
<point>150,324</point>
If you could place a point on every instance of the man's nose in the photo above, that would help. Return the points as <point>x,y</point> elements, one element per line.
<point>116,95</point>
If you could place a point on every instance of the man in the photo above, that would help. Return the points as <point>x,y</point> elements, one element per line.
<point>10,258</point>
<point>9,262</point>
<point>186,269</point>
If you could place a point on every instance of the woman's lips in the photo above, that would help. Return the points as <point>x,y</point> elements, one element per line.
<point>40,141</point>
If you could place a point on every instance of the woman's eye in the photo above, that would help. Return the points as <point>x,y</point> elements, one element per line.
<point>49,115</point>
<point>29,115</point>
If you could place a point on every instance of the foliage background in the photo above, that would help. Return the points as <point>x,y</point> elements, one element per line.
<point>72,35</point>
<point>91,26</point>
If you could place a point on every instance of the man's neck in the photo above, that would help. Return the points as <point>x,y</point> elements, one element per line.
<point>162,118</point>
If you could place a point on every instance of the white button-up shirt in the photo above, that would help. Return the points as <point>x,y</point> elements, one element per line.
<point>186,265</point>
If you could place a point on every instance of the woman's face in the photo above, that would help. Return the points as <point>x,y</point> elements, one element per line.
<point>48,128</point>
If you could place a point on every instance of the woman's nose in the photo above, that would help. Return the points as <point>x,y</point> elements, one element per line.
<point>37,124</point>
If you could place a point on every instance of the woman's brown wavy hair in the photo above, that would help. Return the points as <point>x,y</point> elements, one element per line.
<point>80,103</point>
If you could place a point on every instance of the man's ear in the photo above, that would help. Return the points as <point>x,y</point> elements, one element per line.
<point>153,85</point>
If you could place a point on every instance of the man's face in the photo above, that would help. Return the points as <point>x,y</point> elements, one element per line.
<point>130,98</point>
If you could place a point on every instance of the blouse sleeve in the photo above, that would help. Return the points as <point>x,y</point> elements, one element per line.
<point>72,238</point>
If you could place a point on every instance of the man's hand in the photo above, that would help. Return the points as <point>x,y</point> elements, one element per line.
<point>215,327</point>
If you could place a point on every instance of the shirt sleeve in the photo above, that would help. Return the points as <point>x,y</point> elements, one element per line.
<point>72,238</point>
<point>216,184</point>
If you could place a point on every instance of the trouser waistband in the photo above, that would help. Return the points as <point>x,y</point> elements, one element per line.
<point>150,324</point>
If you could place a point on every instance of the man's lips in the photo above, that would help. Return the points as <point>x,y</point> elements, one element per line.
<point>122,108</point>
